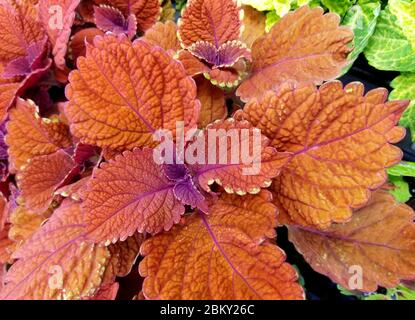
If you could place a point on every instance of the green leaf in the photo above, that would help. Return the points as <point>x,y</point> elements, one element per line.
<point>401,292</point>
<point>349,293</point>
<point>388,48</point>
<point>301,280</point>
<point>271,19</point>
<point>401,191</point>
<point>338,6</point>
<point>282,7</point>
<point>180,4</point>
<point>405,13</point>
<point>362,20</point>
<point>404,293</point>
<point>311,3</point>
<point>260,5</point>
<point>404,88</point>
<point>300,3</point>
<point>403,169</point>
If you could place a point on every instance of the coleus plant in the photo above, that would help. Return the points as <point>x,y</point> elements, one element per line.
<point>84,194</point>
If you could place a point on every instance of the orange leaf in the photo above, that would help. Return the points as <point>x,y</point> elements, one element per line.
<point>127,194</point>
<point>340,142</point>
<point>192,65</point>
<point>56,262</point>
<point>214,21</point>
<point>223,77</point>
<point>254,25</point>
<point>86,11</point>
<point>227,77</point>
<point>123,256</point>
<point>41,177</point>
<point>7,247</point>
<point>8,91</point>
<point>212,100</point>
<point>2,273</point>
<point>19,27</point>
<point>243,160</point>
<point>29,135</point>
<point>4,211</point>
<point>127,101</point>
<point>379,241</point>
<point>107,292</point>
<point>304,46</point>
<point>163,35</point>
<point>75,191</point>
<point>77,44</point>
<point>220,256</point>
<point>147,12</point>
<point>24,223</point>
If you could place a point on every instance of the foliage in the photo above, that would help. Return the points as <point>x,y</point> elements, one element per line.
<point>108,162</point>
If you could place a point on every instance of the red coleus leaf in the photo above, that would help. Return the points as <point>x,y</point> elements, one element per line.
<point>210,30</point>
<point>223,255</point>
<point>83,152</point>
<point>22,63</point>
<point>111,19</point>
<point>4,157</point>
<point>192,64</point>
<point>340,142</point>
<point>106,292</point>
<point>85,12</point>
<point>127,194</point>
<point>185,187</point>
<point>3,212</point>
<point>146,12</point>
<point>222,77</point>
<point>305,46</point>
<point>56,262</point>
<point>33,60</point>
<point>29,135</point>
<point>213,102</point>
<point>57,17</point>
<point>40,178</point>
<point>2,273</point>
<point>19,28</point>
<point>144,93</point>
<point>8,91</point>
<point>123,255</point>
<point>78,42</point>
<point>322,151</point>
<point>213,21</point>
<point>238,158</point>
<point>6,247</point>
<point>75,191</point>
<point>224,56</point>
<point>379,243</point>
<point>17,86</point>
